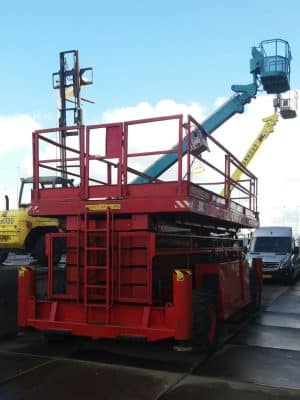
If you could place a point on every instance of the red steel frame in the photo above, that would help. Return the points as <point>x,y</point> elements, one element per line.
<point>113,259</point>
<point>179,195</point>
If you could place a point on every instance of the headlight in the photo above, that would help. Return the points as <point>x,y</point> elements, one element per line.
<point>284,265</point>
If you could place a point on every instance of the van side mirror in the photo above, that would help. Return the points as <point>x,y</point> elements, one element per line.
<point>296,250</point>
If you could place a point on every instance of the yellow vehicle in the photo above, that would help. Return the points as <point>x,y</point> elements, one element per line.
<point>21,233</point>
<point>287,108</point>
<point>269,124</point>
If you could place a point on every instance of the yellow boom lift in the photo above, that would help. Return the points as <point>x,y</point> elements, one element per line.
<point>287,108</point>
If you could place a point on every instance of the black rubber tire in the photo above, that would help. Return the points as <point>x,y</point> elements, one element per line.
<point>39,252</point>
<point>3,256</point>
<point>55,337</point>
<point>205,324</point>
<point>255,291</point>
<point>290,280</point>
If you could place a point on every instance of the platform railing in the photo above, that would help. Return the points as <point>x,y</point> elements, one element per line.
<point>244,190</point>
<point>48,154</point>
<point>129,155</point>
<point>104,161</point>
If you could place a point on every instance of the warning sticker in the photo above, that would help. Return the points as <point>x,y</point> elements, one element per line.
<point>103,206</point>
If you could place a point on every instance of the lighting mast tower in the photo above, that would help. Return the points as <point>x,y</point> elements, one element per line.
<point>69,80</point>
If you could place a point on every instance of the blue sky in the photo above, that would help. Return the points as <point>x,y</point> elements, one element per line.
<point>141,51</point>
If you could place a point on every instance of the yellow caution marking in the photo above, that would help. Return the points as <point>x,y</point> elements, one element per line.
<point>269,124</point>
<point>187,271</point>
<point>103,207</point>
<point>21,272</point>
<point>179,275</point>
<point>181,272</point>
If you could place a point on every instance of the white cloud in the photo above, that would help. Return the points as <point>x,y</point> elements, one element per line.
<point>275,164</point>
<point>16,146</point>
<point>146,110</point>
<point>16,131</point>
<point>156,136</point>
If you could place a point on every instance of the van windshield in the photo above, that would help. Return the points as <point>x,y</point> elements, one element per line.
<point>271,244</point>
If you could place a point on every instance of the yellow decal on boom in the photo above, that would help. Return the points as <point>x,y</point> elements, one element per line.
<point>103,207</point>
<point>269,124</point>
<point>6,221</point>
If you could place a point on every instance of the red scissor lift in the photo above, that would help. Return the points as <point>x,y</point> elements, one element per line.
<point>141,260</point>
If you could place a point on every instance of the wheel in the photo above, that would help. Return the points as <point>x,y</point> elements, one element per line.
<point>204,318</point>
<point>3,256</point>
<point>39,251</point>
<point>255,291</point>
<point>56,337</point>
<point>290,280</point>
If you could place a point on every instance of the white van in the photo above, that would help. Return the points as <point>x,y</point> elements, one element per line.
<point>276,246</point>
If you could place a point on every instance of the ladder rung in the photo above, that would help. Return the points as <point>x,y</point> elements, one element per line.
<point>133,284</point>
<point>72,282</point>
<point>96,248</point>
<point>96,286</point>
<point>134,248</point>
<point>97,242</point>
<point>102,305</point>
<point>133,299</point>
<point>90,230</point>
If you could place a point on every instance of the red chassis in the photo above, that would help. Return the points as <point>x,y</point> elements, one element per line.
<point>140,260</point>
<point>173,320</point>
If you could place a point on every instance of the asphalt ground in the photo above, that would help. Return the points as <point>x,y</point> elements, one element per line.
<point>258,359</point>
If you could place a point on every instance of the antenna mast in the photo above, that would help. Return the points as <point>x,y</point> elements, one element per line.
<point>69,80</point>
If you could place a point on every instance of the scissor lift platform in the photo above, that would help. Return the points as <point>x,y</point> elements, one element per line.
<point>134,252</point>
<point>105,176</point>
